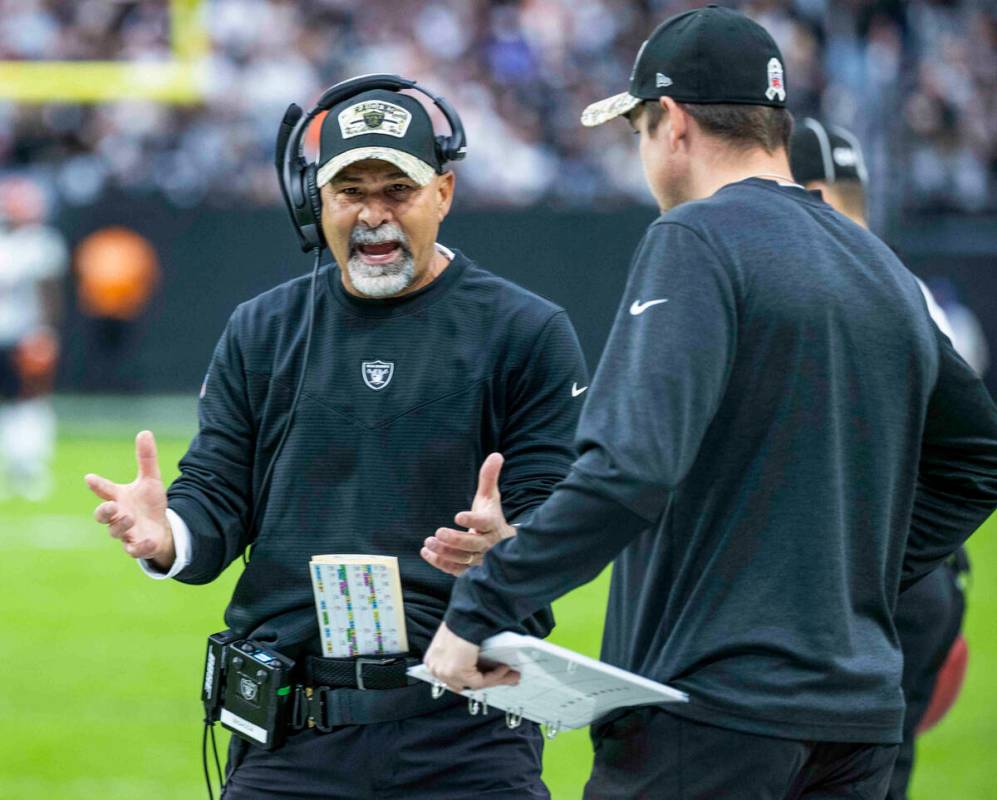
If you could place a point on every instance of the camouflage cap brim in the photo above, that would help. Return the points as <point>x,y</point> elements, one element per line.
<point>417,169</point>
<point>610,108</point>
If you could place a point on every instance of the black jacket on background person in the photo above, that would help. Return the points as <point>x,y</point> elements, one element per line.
<point>777,438</point>
<point>374,461</point>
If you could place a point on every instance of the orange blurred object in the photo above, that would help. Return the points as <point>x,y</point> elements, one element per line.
<point>947,685</point>
<point>118,270</point>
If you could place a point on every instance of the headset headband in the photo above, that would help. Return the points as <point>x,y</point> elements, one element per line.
<point>297,176</point>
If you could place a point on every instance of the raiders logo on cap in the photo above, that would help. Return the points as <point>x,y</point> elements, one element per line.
<point>379,125</point>
<point>374,116</point>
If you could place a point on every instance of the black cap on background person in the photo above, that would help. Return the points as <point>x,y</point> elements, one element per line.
<point>707,55</point>
<point>825,153</point>
<point>829,159</point>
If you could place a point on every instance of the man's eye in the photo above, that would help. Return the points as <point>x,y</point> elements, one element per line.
<point>350,191</point>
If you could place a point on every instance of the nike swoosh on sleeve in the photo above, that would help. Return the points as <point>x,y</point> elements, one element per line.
<point>639,308</point>
<point>575,391</point>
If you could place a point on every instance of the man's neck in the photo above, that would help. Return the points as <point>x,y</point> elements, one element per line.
<point>726,166</point>
<point>436,266</point>
<point>839,202</point>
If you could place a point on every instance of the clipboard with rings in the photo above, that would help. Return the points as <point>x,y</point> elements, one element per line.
<point>558,688</point>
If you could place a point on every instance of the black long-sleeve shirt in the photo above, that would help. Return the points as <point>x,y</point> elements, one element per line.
<point>379,454</point>
<point>776,437</point>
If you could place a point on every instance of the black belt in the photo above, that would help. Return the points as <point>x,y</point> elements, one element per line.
<point>339,692</point>
<point>385,672</point>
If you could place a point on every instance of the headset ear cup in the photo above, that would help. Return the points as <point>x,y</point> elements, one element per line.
<point>443,149</point>
<point>314,197</point>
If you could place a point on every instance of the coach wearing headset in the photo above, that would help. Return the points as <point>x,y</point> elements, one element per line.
<point>348,416</point>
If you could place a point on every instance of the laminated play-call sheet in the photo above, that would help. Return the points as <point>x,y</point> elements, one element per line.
<point>359,603</point>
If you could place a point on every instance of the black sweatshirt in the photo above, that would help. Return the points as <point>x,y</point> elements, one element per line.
<point>759,443</point>
<point>378,456</point>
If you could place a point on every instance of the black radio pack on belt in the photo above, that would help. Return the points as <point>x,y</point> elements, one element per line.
<point>247,688</point>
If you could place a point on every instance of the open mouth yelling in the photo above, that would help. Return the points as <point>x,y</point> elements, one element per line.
<point>380,253</point>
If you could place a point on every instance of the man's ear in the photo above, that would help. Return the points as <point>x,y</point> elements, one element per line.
<point>678,122</point>
<point>444,193</point>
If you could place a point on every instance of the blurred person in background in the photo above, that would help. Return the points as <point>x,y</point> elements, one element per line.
<point>928,615</point>
<point>32,263</point>
<point>418,363</point>
<point>117,271</point>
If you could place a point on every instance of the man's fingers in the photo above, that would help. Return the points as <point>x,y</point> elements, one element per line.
<point>442,564</point>
<point>141,549</point>
<point>145,454</point>
<point>488,476</point>
<point>121,528</point>
<point>455,554</point>
<point>459,540</point>
<point>501,675</point>
<point>458,681</point>
<point>482,522</point>
<point>105,512</point>
<point>102,487</point>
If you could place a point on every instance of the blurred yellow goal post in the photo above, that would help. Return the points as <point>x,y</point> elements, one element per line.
<point>175,80</point>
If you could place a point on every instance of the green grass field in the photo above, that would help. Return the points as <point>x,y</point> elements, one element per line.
<point>101,666</point>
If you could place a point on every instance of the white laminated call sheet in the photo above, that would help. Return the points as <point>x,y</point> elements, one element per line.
<point>359,603</point>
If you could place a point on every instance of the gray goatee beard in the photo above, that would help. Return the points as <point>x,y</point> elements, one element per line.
<point>380,280</point>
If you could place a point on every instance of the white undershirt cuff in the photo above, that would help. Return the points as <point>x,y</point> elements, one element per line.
<point>181,544</point>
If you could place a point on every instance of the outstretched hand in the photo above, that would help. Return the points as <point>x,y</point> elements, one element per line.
<point>135,512</point>
<point>454,551</point>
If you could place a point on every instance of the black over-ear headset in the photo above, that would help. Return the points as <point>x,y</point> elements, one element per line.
<point>298,177</point>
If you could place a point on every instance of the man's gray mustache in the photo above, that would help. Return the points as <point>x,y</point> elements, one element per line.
<point>359,236</point>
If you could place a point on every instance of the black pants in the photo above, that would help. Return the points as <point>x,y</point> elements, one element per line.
<point>445,755</point>
<point>650,754</point>
<point>929,617</point>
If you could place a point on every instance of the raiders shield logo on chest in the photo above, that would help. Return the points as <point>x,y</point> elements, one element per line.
<point>378,374</point>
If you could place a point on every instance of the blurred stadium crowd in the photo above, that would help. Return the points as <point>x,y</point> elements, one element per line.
<point>916,80</point>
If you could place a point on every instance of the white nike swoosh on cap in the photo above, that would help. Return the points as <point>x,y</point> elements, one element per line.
<point>639,308</point>
<point>575,391</point>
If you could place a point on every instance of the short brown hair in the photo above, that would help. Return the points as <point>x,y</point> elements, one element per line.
<point>738,124</point>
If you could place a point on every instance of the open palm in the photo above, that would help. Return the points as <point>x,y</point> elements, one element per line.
<point>135,512</point>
